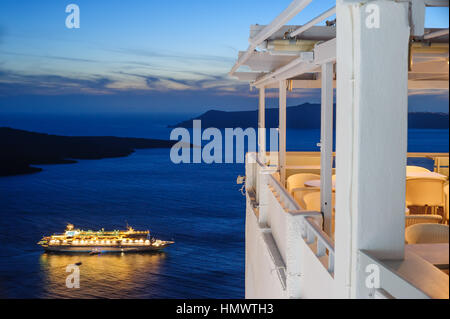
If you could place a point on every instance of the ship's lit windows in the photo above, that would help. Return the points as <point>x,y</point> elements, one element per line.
<point>102,242</point>
<point>64,241</point>
<point>136,241</point>
<point>91,242</point>
<point>108,242</point>
<point>147,242</point>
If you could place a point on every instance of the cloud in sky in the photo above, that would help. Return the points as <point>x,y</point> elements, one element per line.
<point>12,84</point>
<point>164,54</point>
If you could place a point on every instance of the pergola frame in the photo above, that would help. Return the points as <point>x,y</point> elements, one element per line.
<point>365,221</point>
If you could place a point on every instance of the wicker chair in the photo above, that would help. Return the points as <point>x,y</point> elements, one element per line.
<point>427,234</point>
<point>423,191</point>
<point>422,219</point>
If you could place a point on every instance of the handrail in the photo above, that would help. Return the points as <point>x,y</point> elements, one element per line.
<point>307,188</point>
<point>328,242</point>
<point>280,189</point>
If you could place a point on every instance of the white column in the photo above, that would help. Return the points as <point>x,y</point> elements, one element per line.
<point>326,145</point>
<point>371,120</point>
<point>262,125</point>
<point>282,132</point>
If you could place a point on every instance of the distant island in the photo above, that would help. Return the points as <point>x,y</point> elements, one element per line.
<point>304,116</point>
<point>19,149</point>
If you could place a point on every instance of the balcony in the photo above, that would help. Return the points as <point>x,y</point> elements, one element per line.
<point>289,255</point>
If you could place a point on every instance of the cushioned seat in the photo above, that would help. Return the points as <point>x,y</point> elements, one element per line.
<point>296,186</point>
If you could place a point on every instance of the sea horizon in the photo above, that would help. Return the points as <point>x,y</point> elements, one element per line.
<point>146,190</point>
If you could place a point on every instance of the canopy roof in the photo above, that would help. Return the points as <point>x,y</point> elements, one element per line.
<point>281,56</point>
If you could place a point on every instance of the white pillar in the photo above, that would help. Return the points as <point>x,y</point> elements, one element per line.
<point>326,145</point>
<point>371,120</point>
<point>262,125</point>
<point>282,132</point>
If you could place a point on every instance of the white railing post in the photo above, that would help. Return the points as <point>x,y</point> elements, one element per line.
<point>371,134</point>
<point>262,125</point>
<point>293,255</point>
<point>326,145</point>
<point>249,172</point>
<point>282,131</point>
<point>264,196</point>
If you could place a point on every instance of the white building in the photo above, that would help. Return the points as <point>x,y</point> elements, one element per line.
<point>353,246</point>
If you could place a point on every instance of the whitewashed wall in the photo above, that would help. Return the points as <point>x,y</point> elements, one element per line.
<point>261,275</point>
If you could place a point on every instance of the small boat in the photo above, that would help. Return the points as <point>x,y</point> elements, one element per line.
<point>97,242</point>
<point>78,263</point>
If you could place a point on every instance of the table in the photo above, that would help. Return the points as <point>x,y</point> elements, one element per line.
<point>425,175</point>
<point>316,183</point>
<point>436,254</point>
<point>314,167</point>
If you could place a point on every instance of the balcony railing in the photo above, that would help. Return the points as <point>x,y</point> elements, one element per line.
<point>301,254</point>
<point>305,250</point>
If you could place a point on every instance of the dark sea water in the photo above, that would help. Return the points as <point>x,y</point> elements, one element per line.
<point>197,205</point>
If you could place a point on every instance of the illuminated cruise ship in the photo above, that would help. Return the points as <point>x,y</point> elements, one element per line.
<point>77,240</point>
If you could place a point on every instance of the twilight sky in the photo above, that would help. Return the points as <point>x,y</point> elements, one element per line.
<point>143,55</point>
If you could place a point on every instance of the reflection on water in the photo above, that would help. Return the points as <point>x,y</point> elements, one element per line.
<point>102,276</point>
